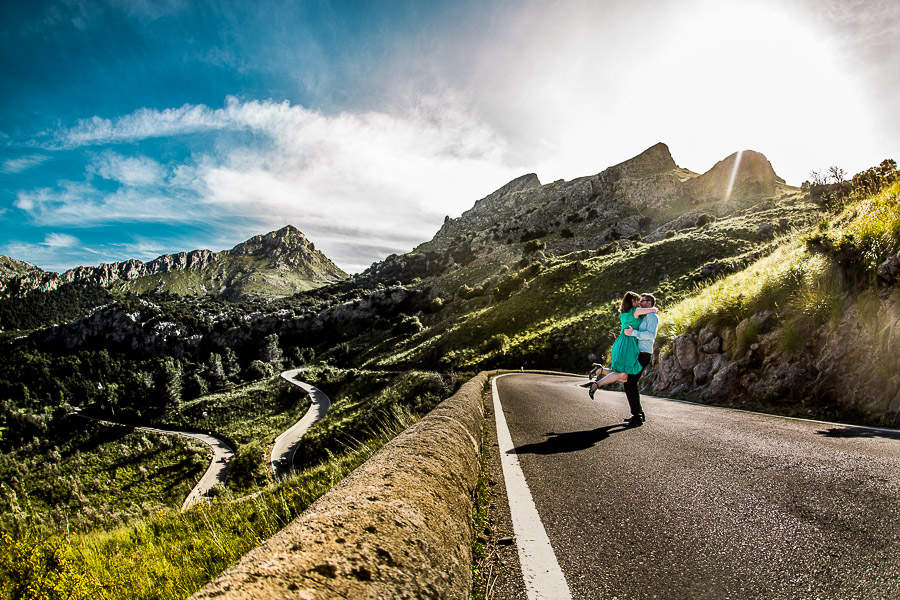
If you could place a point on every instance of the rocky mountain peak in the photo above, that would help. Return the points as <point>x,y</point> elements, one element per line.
<point>653,160</point>
<point>519,184</point>
<point>286,239</point>
<point>281,262</point>
<point>10,267</point>
<point>747,174</point>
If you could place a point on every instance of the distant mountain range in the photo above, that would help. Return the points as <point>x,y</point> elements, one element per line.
<point>641,198</point>
<point>279,263</point>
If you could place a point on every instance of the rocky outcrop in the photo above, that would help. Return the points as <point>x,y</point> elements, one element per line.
<point>652,161</point>
<point>18,278</point>
<point>847,365</point>
<point>742,177</point>
<point>196,259</point>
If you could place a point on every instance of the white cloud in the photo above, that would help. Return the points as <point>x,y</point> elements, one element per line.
<point>130,171</point>
<point>81,204</point>
<point>377,179</point>
<point>60,240</point>
<point>23,163</point>
<point>145,124</point>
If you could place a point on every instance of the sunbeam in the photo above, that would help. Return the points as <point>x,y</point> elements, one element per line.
<point>734,170</point>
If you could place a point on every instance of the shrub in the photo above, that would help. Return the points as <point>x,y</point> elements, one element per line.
<point>258,369</point>
<point>534,245</point>
<point>705,219</point>
<point>248,467</point>
<point>610,248</point>
<point>508,286</point>
<point>409,324</point>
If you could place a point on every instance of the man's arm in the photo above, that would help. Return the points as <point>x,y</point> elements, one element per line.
<point>647,330</point>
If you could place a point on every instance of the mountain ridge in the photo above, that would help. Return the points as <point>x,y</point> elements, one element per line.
<point>278,263</point>
<point>639,197</point>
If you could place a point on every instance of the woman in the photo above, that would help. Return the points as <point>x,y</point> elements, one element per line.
<point>625,351</point>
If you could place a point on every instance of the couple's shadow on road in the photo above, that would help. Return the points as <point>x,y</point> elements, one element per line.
<point>570,441</point>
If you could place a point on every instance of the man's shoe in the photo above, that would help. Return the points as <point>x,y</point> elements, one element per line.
<point>591,391</point>
<point>634,422</point>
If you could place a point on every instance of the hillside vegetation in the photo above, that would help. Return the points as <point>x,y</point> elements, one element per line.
<point>813,329</point>
<point>773,297</point>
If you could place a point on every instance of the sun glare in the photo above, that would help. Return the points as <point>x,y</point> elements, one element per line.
<point>734,172</point>
<point>707,79</point>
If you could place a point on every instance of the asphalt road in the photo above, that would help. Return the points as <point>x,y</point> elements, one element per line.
<point>282,455</point>
<point>702,502</point>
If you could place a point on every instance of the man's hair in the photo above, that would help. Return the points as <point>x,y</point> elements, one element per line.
<point>629,301</point>
<point>652,298</point>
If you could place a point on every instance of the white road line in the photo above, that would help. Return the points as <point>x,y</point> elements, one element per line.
<point>544,579</point>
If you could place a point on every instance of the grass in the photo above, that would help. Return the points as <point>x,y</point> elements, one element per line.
<point>866,232</point>
<point>480,578</point>
<point>806,287</point>
<point>102,477</point>
<point>361,398</point>
<point>171,555</point>
<point>257,411</point>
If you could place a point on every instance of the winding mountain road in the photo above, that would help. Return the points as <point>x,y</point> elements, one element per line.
<point>699,502</point>
<point>217,472</point>
<point>282,456</point>
<point>286,444</point>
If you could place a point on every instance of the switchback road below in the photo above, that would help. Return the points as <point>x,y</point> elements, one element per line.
<point>699,502</point>
<point>282,455</point>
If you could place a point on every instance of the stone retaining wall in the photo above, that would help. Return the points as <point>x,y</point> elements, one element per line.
<point>400,526</point>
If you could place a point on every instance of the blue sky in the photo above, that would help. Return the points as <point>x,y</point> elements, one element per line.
<point>133,128</point>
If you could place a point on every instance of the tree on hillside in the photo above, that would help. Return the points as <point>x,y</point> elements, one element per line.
<point>836,174</point>
<point>215,372</point>
<point>872,180</point>
<point>172,380</point>
<point>270,352</point>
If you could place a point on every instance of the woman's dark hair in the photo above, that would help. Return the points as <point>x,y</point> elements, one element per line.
<point>629,301</point>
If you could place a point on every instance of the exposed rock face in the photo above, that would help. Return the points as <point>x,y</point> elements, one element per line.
<point>284,251</point>
<point>17,278</point>
<point>653,160</point>
<point>196,259</point>
<point>626,200</point>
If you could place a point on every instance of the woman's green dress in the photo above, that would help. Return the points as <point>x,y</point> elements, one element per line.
<point>625,350</point>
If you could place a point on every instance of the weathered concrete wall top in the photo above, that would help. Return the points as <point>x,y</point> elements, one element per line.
<point>400,526</point>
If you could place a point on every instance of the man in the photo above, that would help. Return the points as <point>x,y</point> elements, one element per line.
<point>645,335</point>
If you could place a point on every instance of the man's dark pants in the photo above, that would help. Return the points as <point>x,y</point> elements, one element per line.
<point>631,386</point>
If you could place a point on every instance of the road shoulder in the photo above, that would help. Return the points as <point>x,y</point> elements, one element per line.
<point>501,571</point>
